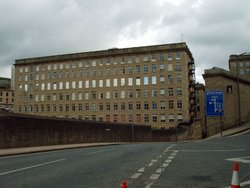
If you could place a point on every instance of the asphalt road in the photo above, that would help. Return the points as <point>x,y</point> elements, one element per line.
<point>207,163</point>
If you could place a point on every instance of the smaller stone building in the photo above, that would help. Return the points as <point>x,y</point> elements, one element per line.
<point>6,95</point>
<point>236,91</point>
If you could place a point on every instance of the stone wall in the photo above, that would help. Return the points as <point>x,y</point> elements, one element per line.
<point>25,131</point>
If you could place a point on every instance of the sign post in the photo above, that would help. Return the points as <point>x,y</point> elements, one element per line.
<point>215,104</point>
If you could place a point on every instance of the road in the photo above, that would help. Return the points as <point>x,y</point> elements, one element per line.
<point>206,163</point>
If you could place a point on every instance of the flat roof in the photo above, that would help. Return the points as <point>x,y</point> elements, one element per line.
<point>109,52</point>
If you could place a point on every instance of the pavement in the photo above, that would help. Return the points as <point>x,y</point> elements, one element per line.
<point>25,150</point>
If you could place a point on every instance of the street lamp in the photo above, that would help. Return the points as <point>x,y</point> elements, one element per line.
<point>238,87</point>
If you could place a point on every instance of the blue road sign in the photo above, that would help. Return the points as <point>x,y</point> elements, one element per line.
<point>214,103</point>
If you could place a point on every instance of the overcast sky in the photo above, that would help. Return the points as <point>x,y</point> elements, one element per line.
<point>213,29</point>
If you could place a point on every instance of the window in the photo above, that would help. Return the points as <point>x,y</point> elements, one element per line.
<point>178,66</point>
<point>108,106</point>
<point>153,58</point>
<point>80,107</point>
<point>86,96</point>
<point>93,83</point>
<point>138,93</point>
<point>170,79</point>
<point>162,92</point>
<point>146,93</point>
<point>80,84</point>
<point>100,95</point>
<point>153,67</point>
<point>179,104</point>
<point>146,118</point>
<point>73,96</point>
<point>162,67</point>
<point>107,94</point>
<point>138,81</point>
<point>73,107</point>
<point>161,57</point>
<point>54,96</point>
<point>123,94</point>
<point>86,83</point>
<point>123,106</point>
<point>123,70</point>
<point>162,79</point>
<point>145,80</point>
<point>54,86</point>
<point>179,117</point>
<point>122,81</point>
<point>170,67</point>
<point>162,105</point>
<point>123,118</point>
<point>60,85</point>
<point>138,118</point>
<point>178,55</point>
<point>137,68</point>
<point>115,118</point>
<point>67,96</point>
<point>146,105</point>
<point>130,94</point>
<point>115,83</point>
<point>170,56</point>
<point>107,118</point>
<point>170,91</point>
<point>154,118</point>
<point>154,105</point>
<point>179,79</point>
<point>100,83</point>
<point>154,93</point>
<point>163,118</point>
<point>100,62</point>
<point>179,91</point>
<point>67,85</point>
<point>145,68</point>
<point>115,94</point>
<point>86,105</point>
<point>154,80</point>
<point>100,106</point>
<point>130,81</point>
<point>130,70</point>
<point>130,106</point>
<point>171,118</point>
<point>107,82</point>
<point>93,107</point>
<point>73,84</point>
<point>115,106</point>
<point>138,105</point>
<point>130,118</point>
<point>93,95</point>
<point>171,104</point>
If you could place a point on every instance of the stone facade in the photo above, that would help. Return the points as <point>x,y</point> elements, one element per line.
<point>236,101</point>
<point>151,85</point>
<point>6,95</point>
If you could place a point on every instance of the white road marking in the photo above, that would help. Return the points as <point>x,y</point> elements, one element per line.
<point>149,185</point>
<point>99,151</point>
<point>165,165</point>
<point>30,167</point>
<point>135,175</point>
<point>171,157</point>
<point>199,151</point>
<point>160,170</point>
<point>240,159</point>
<point>141,169</point>
<point>168,161</point>
<point>154,161</point>
<point>154,177</point>
<point>242,184</point>
<point>149,164</point>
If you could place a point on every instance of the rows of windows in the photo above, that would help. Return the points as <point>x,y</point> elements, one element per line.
<point>97,72</point>
<point>123,118</point>
<point>101,62</point>
<point>114,106</point>
<point>107,83</point>
<point>87,95</point>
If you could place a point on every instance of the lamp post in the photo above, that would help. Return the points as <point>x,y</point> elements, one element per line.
<point>238,88</point>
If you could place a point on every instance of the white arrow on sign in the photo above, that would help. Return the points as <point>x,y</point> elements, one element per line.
<point>240,159</point>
